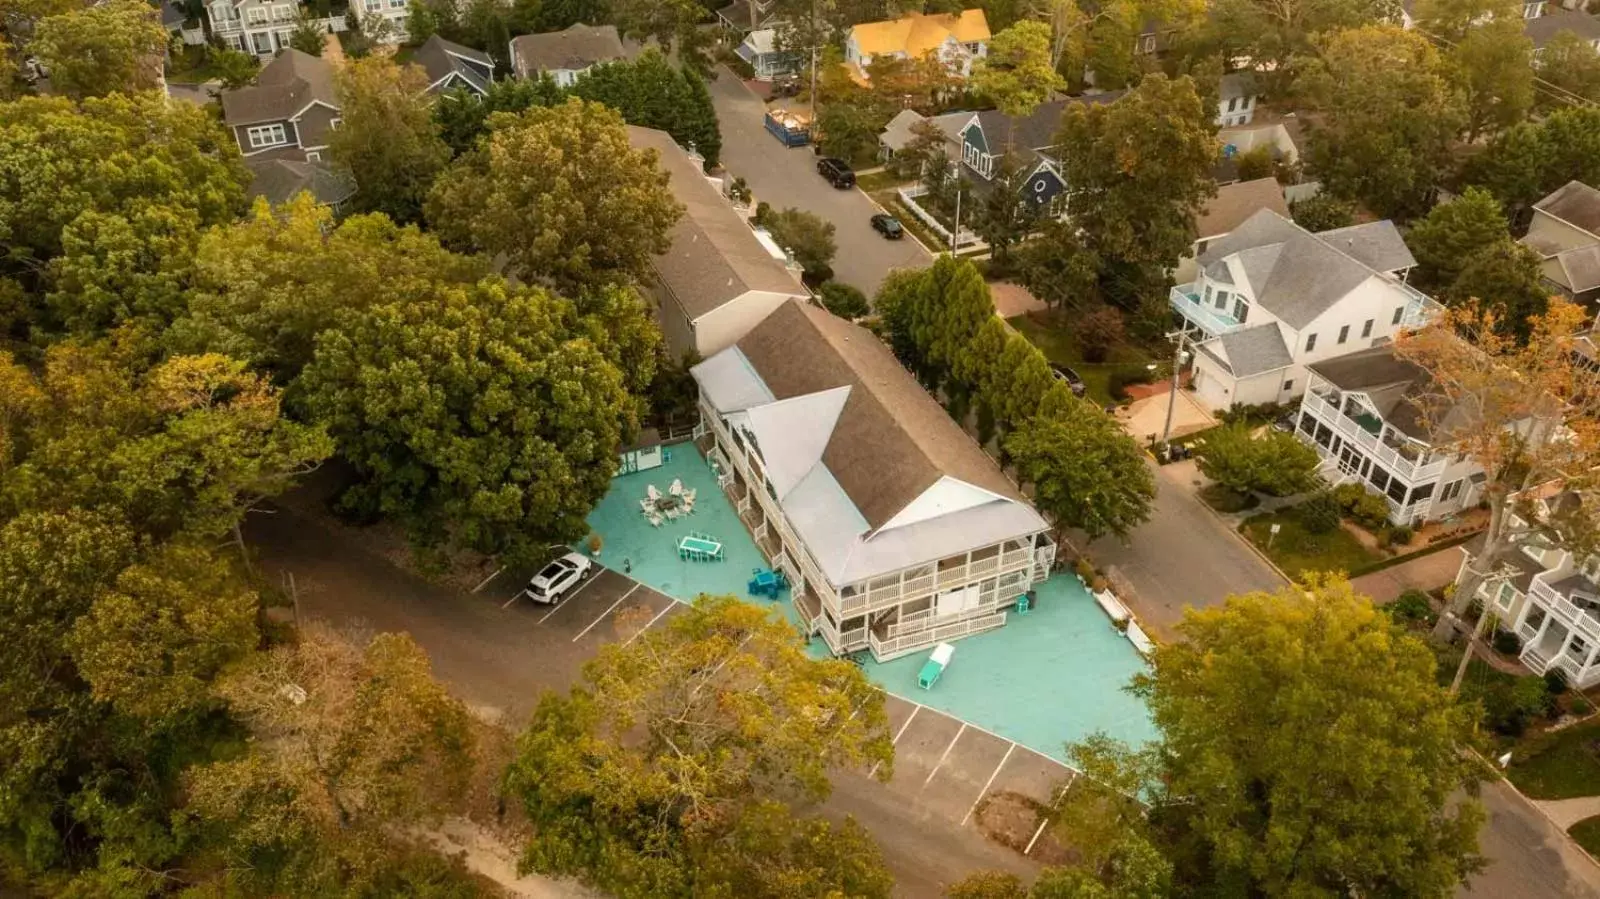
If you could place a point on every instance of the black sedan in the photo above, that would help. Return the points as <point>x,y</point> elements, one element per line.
<point>888,226</point>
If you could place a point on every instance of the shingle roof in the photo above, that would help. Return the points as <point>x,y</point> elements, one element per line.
<point>1575,203</point>
<point>440,58</point>
<point>279,180</point>
<point>1037,130</point>
<point>578,47</point>
<point>1377,245</point>
<point>892,440</point>
<point>1581,267</point>
<point>1237,84</point>
<point>283,87</point>
<point>917,34</point>
<point>1395,385</point>
<point>714,257</point>
<point>1235,203</point>
<point>1250,351</point>
<point>1294,274</point>
<point>1543,29</point>
<point>747,14</point>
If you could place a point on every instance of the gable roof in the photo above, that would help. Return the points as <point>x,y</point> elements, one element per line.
<point>918,34</point>
<point>283,87</point>
<point>1377,245</point>
<point>578,47</point>
<point>1544,29</point>
<point>1249,351</point>
<point>279,180</point>
<point>441,59</point>
<point>714,257</point>
<point>1581,268</point>
<point>1237,84</point>
<point>1397,387</point>
<point>1575,203</point>
<point>1297,275</point>
<point>1236,202</point>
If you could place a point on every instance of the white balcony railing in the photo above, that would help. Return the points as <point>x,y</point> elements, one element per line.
<point>886,649</point>
<point>1564,611</point>
<point>1412,471</point>
<point>1189,305</point>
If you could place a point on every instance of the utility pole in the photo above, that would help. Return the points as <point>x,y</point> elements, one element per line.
<point>1177,370</point>
<point>955,227</point>
<point>1472,639</point>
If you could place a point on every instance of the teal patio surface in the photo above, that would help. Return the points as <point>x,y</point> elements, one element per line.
<point>1050,677</point>
<point>652,553</point>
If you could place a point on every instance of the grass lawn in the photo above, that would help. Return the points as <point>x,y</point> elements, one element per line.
<point>889,200</point>
<point>884,180</point>
<point>1562,765</point>
<point>1050,332</point>
<point>1587,833</point>
<point>1297,550</point>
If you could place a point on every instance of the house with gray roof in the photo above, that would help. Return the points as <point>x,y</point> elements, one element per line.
<point>1270,298</point>
<point>720,277</point>
<point>288,113</point>
<point>280,180</point>
<point>1565,232</point>
<point>1543,29</point>
<point>451,66</point>
<point>565,54</point>
<point>1370,415</point>
<point>894,529</point>
<point>1236,99</point>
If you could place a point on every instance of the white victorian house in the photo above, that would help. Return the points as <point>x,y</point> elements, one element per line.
<point>1271,298</point>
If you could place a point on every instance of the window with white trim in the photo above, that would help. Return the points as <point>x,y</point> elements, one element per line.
<point>261,136</point>
<point>283,12</point>
<point>256,15</point>
<point>1451,490</point>
<point>1502,599</point>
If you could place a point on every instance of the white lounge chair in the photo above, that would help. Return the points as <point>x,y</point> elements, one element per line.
<point>651,491</point>
<point>672,514</point>
<point>654,519</point>
<point>677,487</point>
<point>688,495</point>
<point>646,506</point>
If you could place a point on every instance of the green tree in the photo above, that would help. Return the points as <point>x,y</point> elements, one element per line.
<point>671,769</point>
<point>1452,234</point>
<point>387,138</point>
<point>1571,65</point>
<point>919,154</point>
<point>425,18</point>
<point>481,416</point>
<point>1389,114</point>
<point>808,238</point>
<point>1275,709</point>
<point>1523,164</point>
<point>309,35</point>
<point>265,287</point>
<point>234,68</point>
<point>651,93</point>
<point>1493,69</point>
<point>466,118</point>
<point>1087,473</point>
<point>1140,169</point>
<point>561,194</point>
<point>1058,268</point>
<point>948,306</point>
<point>669,22</point>
<point>843,300</point>
<point>105,200</point>
<point>1452,21</point>
<point>1275,463</point>
<point>1274,33</point>
<point>1323,212</point>
<point>1098,330</point>
<point>1017,73</point>
<point>1504,276</point>
<point>1006,214</point>
<point>112,47</point>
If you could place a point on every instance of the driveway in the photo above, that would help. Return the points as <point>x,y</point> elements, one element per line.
<point>783,177</point>
<point>499,654</point>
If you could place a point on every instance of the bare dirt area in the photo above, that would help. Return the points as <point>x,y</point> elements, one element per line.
<point>1012,819</point>
<point>490,856</point>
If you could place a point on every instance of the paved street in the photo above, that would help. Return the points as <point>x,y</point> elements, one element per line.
<point>788,177</point>
<point>1183,556</point>
<point>500,653</point>
<point>1529,858</point>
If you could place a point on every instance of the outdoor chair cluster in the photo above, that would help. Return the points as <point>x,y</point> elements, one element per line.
<point>678,502</point>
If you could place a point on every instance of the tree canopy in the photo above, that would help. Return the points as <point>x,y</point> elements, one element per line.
<point>561,194</point>
<point>652,93</point>
<point>387,137</point>
<point>111,47</point>
<point>1276,462</point>
<point>1086,472</point>
<point>1452,234</point>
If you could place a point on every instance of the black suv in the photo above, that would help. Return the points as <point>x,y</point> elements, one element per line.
<point>837,171</point>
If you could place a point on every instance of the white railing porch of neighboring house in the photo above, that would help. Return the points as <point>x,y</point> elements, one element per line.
<point>1413,471</point>
<point>1189,304</point>
<point>886,649</point>
<point>1564,610</point>
<point>966,240</point>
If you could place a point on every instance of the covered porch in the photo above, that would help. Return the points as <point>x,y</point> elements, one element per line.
<point>1558,635</point>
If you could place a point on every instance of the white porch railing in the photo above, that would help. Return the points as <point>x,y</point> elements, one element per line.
<point>1410,470</point>
<point>1189,305</point>
<point>886,649</point>
<point>1564,611</point>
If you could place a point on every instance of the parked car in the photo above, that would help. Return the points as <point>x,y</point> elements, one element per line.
<point>837,171</point>
<point>1286,422</point>
<point>1069,377</point>
<point>888,226</point>
<point>555,579</point>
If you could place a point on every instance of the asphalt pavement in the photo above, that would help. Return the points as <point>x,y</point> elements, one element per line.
<point>784,177</point>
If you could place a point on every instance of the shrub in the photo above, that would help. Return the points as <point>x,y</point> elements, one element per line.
<point>1367,509</point>
<point>1320,514</point>
<point>1509,707</point>
<point>1084,570</point>
<point>1399,535</point>
<point>1120,378</point>
<point>843,300</point>
<point>1554,680</point>
<point>1507,643</point>
<point>1099,330</point>
<point>1274,463</point>
<point>1579,706</point>
<point>1412,605</point>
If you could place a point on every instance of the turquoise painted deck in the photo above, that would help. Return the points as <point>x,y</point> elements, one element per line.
<point>1046,678</point>
<point>653,552</point>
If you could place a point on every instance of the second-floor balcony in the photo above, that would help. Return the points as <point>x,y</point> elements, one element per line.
<point>1195,310</point>
<point>1405,461</point>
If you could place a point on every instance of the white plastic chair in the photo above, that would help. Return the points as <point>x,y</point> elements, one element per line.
<point>677,487</point>
<point>651,491</point>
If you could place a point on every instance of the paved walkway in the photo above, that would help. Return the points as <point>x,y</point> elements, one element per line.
<point>1147,418</point>
<point>1422,573</point>
<point>1567,812</point>
<point>1529,856</point>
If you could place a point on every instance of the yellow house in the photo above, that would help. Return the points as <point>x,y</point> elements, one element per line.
<point>956,39</point>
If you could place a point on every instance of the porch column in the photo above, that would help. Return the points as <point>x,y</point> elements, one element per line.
<point>1588,662</point>
<point>1572,631</point>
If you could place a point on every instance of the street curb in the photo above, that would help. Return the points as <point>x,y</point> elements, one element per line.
<point>1260,554</point>
<point>1533,804</point>
<point>879,206</point>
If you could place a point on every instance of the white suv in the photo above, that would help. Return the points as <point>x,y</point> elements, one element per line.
<point>555,579</point>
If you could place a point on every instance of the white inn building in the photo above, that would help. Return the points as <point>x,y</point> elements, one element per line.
<point>896,531</point>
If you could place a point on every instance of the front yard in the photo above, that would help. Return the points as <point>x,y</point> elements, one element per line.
<point>1560,765</point>
<point>1297,549</point>
<point>1052,333</point>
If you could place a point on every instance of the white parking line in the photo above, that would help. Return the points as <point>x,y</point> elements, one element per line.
<point>604,614</point>
<point>946,754</point>
<point>1046,819</point>
<point>570,597</point>
<point>670,607</point>
<point>914,710</point>
<point>988,783</point>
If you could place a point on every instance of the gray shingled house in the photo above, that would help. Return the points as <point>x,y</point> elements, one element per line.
<point>451,66</point>
<point>565,55</point>
<point>288,113</point>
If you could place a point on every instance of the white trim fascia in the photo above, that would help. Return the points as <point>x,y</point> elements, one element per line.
<point>307,107</point>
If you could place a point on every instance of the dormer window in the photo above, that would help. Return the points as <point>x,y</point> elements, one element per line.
<point>1222,299</point>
